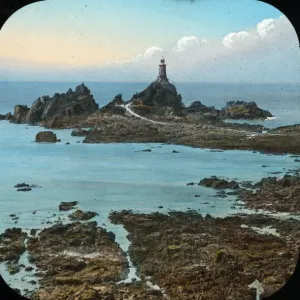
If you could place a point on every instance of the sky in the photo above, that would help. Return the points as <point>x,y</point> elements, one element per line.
<point>124,40</point>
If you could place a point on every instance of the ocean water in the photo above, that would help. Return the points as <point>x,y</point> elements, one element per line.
<point>282,100</point>
<point>105,177</point>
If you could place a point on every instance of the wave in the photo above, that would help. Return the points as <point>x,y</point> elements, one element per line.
<point>271,118</point>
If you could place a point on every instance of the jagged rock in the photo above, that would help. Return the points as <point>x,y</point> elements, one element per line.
<point>80,102</point>
<point>159,95</point>
<point>243,110</point>
<point>71,103</point>
<point>113,108</point>
<point>46,136</point>
<point>35,113</point>
<point>8,116</point>
<point>198,108</point>
<point>20,113</point>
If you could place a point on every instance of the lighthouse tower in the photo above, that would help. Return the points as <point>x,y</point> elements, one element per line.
<point>162,73</point>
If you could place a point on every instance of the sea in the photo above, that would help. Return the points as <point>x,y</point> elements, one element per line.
<point>117,176</point>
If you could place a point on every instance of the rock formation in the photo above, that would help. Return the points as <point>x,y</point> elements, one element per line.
<point>113,108</point>
<point>159,97</point>
<point>7,117</point>
<point>72,103</point>
<point>20,113</point>
<point>46,137</point>
<point>243,110</point>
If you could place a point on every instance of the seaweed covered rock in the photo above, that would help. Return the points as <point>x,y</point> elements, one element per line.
<point>46,137</point>
<point>82,216</point>
<point>218,183</point>
<point>244,110</point>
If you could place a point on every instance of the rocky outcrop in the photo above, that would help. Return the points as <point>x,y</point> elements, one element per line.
<point>12,244</point>
<point>80,215</point>
<point>71,103</point>
<point>80,132</point>
<point>65,206</point>
<point>217,183</point>
<point>276,195</point>
<point>37,109</point>
<point>161,96</point>
<point>46,137</point>
<point>20,113</point>
<point>6,117</point>
<point>78,253</point>
<point>243,110</point>
<point>198,108</point>
<point>112,107</point>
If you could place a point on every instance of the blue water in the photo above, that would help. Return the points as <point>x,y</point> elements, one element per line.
<point>282,100</point>
<point>105,177</point>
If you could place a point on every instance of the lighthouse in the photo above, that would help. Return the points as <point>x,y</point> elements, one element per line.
<point>162,72</point>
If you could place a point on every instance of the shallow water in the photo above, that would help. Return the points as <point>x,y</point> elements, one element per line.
<point>105,177</point>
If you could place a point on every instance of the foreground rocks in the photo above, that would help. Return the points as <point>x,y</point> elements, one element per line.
<point>195,257</point>
<point>46,137</point>
<point>275,195</point>
<point>78,253</point>
<point>12,244</point>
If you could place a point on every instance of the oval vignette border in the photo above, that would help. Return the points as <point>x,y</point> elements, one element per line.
<point>288,8</point>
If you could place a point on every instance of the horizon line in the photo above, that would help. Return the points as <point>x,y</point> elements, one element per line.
<point>148,82</point>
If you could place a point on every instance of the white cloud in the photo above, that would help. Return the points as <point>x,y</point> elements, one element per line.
<point>188,42</point>
<point>268,50</point>
<point>264,27</point>
<point>234,37</point>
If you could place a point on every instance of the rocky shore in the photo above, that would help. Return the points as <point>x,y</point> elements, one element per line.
<point>179,255</point>
<point>200,257</point>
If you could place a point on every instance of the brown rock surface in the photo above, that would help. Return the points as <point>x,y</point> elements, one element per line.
<point>192,257</point>
<point>46,137</point>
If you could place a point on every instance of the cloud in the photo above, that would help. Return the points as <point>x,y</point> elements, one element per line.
<point>188,42</point>
<point>265,26</point>
<point>235,37</point>
<point>269,51</point>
